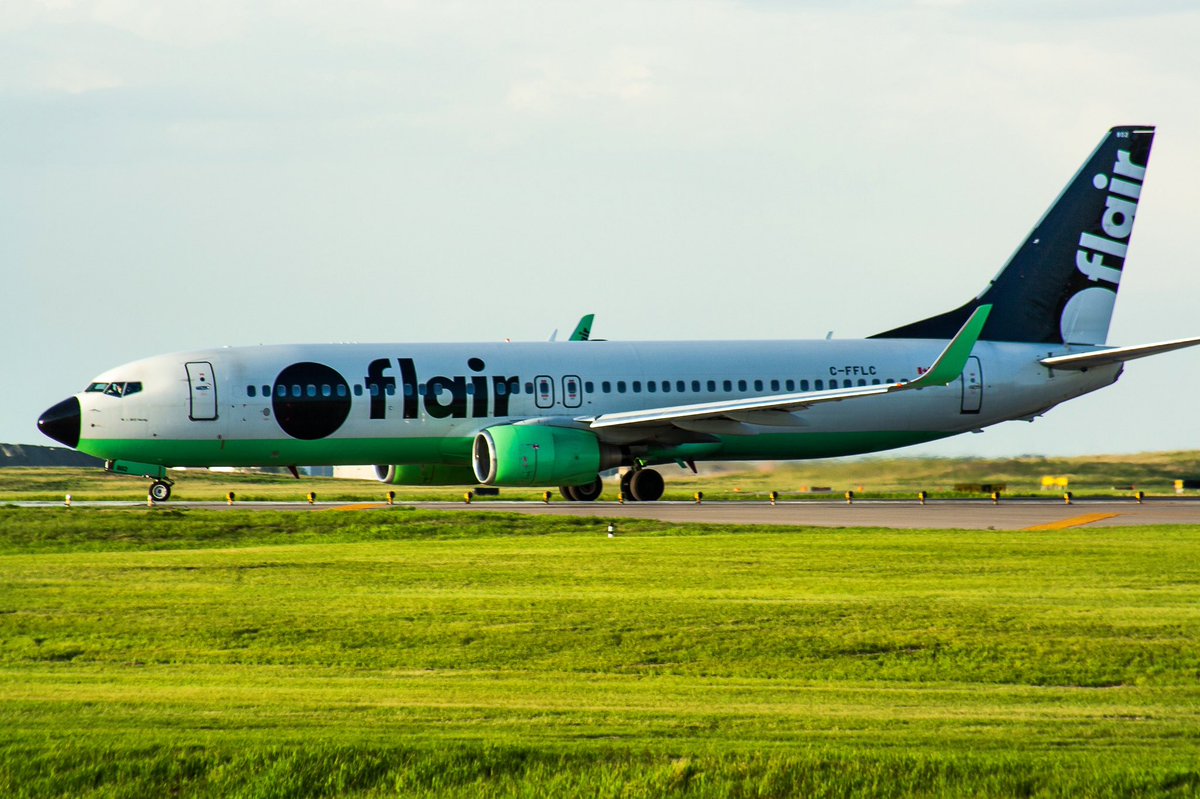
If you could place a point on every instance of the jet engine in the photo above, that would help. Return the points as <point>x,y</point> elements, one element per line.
<point>540,455</point>
<point>425,474</point>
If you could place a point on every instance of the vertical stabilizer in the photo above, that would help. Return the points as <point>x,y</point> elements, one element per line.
<point>1061,283</point>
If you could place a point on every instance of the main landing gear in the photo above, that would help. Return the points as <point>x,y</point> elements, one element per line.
<point>584,493</point>
<point>642,485</point>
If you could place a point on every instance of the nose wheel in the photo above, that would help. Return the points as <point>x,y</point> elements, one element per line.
<point>160,491</point>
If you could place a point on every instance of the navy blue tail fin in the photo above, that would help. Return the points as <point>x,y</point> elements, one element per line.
<point>1061,283</point>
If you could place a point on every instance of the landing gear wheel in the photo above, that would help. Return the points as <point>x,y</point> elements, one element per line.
<point>626,491</point>
<point>588,493</point>
<point>160,491</point>
<point>568,493</point>
<point>646,485</point>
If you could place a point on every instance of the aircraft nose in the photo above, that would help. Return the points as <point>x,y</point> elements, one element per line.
<point>62,422</point>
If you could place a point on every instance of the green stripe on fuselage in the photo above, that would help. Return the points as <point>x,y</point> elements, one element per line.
<point>457,450</point>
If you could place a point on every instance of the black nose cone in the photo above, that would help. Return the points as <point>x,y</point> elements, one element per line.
<point>62,422</point>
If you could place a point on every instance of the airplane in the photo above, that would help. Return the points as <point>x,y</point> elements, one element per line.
<point>560,413</point>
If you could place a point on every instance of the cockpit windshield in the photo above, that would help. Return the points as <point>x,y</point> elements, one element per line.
<point>115,389</point>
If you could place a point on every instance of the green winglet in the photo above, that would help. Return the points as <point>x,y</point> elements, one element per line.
<point>583,330</point>
<point>949,365</point>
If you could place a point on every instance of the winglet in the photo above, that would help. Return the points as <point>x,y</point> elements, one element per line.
<point>950,364</point>
<point>583,330</point>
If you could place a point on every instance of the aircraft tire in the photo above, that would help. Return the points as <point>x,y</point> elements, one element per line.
<point>588,493</point>
<point>626,491</point>
<point>568,493</point>
<point>646,485</point>
<point>160,491</point>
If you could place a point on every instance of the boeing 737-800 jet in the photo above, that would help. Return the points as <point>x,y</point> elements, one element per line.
<point>560,413</point>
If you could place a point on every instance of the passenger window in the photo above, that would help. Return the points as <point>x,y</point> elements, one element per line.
<point>875,381</point>
<point>862,381</point>
<point>529,388</point>
<point>470,388</point>
<point>606,387</point>
<point>804,385</point>
<point>649,386</point>
<point>296,390</point>
<point>422,390</point>
<point>589,386</point>
<point>789,385</point>
<point>820,384</point>
<point>758,385</point>
<point>358,389</point>
<point>266,391</point>
<point>501,388</point>
<point>281,390</point>
<point>728,385</point>
<point>341,390</point>
<point>310,390</point>
<point>408,389</point>
<point>374,389</point>
<point>666,385</point>
<point>774,385</point>
<point>712,385</point>
<point>620,386</point>
<point>326,391</point>
<point>637,386</point>
<point>251,391</point>
<point>741,385</point>
<point>833,384</point>
<point>390,389</point>
<point>695,387</point>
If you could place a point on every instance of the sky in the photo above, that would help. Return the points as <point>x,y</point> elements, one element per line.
<point>180,175</point>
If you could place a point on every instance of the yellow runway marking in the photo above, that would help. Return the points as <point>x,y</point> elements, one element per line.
<point>364,506</point>
<point>1076,521</point>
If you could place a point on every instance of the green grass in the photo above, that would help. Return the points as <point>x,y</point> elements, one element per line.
<point>1153,473</point>
<point>379,653</point>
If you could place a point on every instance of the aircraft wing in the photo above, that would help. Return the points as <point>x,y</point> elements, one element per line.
<point>1113,355</point>
<point>776,409</point>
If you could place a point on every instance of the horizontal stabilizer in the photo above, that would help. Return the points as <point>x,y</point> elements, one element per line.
<point>1111,355</point>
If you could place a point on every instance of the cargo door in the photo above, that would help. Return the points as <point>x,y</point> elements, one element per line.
<point>972,386</point>
<point>202,390</point>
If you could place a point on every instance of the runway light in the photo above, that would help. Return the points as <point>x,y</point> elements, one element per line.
<point>1139,496</point>
<point>995,497</point>
<point>546,497</point>
<point>849,497</point>
<point>1067,497</point>
<point>921,497</point>
<point>774,496</point>
<point>612,530</point>
<point>699,497</point>
<point>391,497</point>
<point>312,497</point>
<point>620,497</point>
<point>467,497</point>
<point>229,497</point>
<point>67,502</point>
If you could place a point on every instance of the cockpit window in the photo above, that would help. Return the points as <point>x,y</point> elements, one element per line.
<point>115,389</point>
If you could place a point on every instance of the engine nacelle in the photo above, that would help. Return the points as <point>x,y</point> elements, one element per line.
<point>539,455</point>
<point>425,474</point>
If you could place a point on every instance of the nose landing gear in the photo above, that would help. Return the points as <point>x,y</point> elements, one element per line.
<point>160,491</point>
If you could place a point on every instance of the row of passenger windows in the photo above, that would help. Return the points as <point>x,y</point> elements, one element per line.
<point>606,387</point>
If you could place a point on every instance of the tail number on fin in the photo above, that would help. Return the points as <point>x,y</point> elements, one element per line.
<point>1124,189</point>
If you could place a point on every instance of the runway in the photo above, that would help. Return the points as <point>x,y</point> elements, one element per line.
<point>1012,514</point>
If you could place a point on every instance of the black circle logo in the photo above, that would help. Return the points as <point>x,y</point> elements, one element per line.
<point>310,400</point>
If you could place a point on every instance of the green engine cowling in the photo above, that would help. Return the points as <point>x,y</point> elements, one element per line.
<point>539,455</point>
<point>425,474</point>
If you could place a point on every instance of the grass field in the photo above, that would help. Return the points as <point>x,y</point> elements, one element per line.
<point>1153,473</point>
<point>395,652</point>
